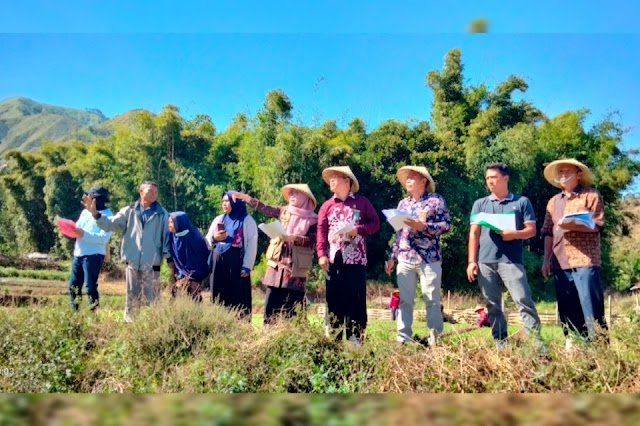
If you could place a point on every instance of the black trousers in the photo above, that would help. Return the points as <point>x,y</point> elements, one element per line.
<point>346,298</point>
<point>282,302</point>
<point>227,286</point>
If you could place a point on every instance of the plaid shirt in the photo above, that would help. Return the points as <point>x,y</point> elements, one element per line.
<point>414,247</point>
<point>574,249</point>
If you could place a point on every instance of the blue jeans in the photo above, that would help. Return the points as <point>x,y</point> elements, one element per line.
<point>514,278</point>
<point>85,270</point>
<point>580,300</point>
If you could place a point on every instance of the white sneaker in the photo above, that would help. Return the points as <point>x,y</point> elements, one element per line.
<point>433,338</point>
<point>354,342</point>
<point>401,339</point>
<point>568,344</point>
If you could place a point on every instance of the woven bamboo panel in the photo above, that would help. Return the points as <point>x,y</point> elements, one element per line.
<point>463,316</point>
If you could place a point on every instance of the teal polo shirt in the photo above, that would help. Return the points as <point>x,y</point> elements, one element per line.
<point>493,249</point>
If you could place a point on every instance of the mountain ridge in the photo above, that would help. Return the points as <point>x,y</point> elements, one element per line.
<point>26,123</point>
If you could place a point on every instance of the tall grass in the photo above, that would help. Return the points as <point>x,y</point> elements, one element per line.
<point>180,346</point>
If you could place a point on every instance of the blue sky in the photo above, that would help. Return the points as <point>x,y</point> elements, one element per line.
<point>334,60</point>
<point>327,16</point>
<point>375,77</point>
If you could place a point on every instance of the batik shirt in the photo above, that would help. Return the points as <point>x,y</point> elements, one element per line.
<point>334,215</point>
<point>415,247</point>
<point>573,249</point>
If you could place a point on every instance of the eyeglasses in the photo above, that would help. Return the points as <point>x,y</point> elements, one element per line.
<point>570,172</point>
<point>336,177</point>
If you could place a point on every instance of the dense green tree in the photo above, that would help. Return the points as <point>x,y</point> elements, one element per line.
<point>24,188</point>
<point>62,195</point>
<point>193,164</point>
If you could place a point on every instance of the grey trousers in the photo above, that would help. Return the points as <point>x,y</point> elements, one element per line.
<point>143,287</point>
<point>430,276</point>
<point>514,278</point>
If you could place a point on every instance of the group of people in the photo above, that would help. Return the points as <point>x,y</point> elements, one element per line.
<point>571,251</point>
<point>227,253</point>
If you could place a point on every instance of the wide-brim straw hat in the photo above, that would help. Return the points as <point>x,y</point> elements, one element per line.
<point>403,173</point>
<point>345,170</point>
<point>550,172</point>
<point>478,308</point>
<point>302,187</point>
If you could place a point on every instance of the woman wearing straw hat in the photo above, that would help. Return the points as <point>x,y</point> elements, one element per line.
<point>571,250</point>
<point>344,220</point>
<point>417,250</point>
<point>289,259</point>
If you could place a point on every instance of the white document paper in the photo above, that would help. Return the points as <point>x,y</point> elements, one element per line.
<point>273,229</point>
<point>396,218</point>
<point>582,218</point>
<point>495,221</point>
<point>346,228</point>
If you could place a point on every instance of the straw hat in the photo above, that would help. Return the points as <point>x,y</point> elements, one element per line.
<point>550,172</point>
<point>302,187</point>
<point>403,173</point>
<point>345,170</point>
<point>478,308</point>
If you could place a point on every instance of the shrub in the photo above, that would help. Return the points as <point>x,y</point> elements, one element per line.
<point>46,349</point>
<point>181,346</point>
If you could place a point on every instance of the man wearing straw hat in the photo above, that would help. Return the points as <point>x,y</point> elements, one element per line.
<point>417,250</point>
<point>572,250</point>
<point>497,256</point>
<point>344,220</point>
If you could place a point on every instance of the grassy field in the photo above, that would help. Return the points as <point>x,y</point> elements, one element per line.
<point>180,346</point>
<point>41,274</point>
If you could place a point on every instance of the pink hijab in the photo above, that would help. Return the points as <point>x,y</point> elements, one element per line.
<point>302,215</point>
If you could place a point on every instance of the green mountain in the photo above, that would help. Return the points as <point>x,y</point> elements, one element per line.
<point>25,124</point>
